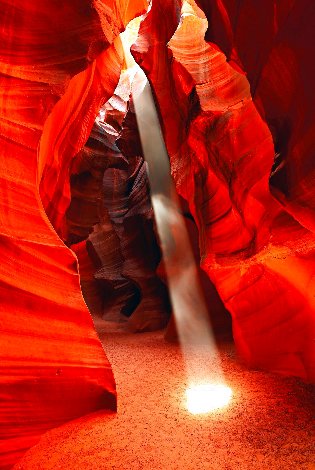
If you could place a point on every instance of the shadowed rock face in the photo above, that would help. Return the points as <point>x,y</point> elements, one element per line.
<point>273,47</point>
<point>233,87</point>
<point>111,209</point>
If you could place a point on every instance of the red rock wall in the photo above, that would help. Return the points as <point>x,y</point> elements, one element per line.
<point>111,209</point>
<point>273,44</point>
<point>240,135</point>
<point>57,67</point>
<point>222,155</point>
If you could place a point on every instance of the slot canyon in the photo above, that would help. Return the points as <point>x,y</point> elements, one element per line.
<point>100,299</point>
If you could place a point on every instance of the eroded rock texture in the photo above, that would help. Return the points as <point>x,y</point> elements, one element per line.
<point>273,46</point>
<point>222,154</point>
<point>233,86</point>
<point>111,208</point>
<point>57,67</point>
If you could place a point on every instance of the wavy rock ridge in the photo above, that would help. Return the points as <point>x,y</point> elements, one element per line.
<point>253,247</point>
<point>53,367</point>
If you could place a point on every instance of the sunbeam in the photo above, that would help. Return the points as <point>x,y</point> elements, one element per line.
<point>190,311</point>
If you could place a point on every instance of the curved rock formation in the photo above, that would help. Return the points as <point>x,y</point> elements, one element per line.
<point>273,45</point>
<point>222,154</point>
<point>233,87</point>
<point>53,367</point>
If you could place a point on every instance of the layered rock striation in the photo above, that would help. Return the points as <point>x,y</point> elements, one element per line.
<point>224,154</point>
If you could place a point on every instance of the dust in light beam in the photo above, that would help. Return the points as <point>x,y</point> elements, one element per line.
<point>189,307</point>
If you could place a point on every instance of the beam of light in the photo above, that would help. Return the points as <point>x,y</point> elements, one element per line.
<point>192,320</point>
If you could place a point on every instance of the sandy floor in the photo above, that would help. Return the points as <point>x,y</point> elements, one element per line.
<point>267,426</point>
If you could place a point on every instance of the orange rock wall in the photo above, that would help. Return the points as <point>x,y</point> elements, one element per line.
<point>255,236</point>
<point>233,86</point>
<point>53,367</point>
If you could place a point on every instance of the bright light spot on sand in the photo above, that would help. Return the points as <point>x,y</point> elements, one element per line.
<point>207,397</point>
